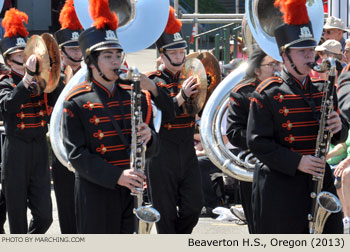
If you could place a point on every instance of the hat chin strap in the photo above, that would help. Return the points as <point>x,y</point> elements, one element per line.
<point>172,63</point>
<point>69,57</point>
<point>93,61</point>
<point>16,62</point>
<point>292,64</point>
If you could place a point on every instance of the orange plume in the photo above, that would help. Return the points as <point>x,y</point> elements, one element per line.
<point>294,11</point>
<point>68,17</point>
<point>102,15</point>
<point>13,23</point>
<point>174,25</point>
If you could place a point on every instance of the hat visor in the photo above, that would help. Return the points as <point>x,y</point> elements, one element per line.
<point>176,45</point>
<point>106,46</point>
<point>327,27</point>
<point>70,44</point>
<point>14,50</point>
<point>320,48</point>
<point>310,43</point>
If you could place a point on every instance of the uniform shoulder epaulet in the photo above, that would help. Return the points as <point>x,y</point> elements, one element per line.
<point>125,86</point>
<point>315,79</point>
<point>154,73</point>
<point>268,82</point>
<point>242,85</point>
<point>83,87</point>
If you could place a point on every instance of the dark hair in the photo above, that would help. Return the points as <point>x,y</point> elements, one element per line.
<point>254,61</point>
<point>88,62</point>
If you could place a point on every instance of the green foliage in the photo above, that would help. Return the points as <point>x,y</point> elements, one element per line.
<point>205,6</point>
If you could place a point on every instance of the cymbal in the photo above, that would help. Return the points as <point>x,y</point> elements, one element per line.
<point>194,67</point>
<point>212,68</point>
<point>55,62</point>
<point>192,55</point>
<point>48,57</point>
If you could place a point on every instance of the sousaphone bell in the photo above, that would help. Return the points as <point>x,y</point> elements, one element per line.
<point>48,68</point>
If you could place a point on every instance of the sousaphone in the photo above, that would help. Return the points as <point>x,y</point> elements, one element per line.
<point>48,68</point>
<point>262,19</point>
<point>141,22</point>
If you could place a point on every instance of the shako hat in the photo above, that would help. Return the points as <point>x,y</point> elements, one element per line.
<point>296,32</point>
<point>172,37</point>
<point>15,36</point>
<point>102,35</point>
<point>70,26</point>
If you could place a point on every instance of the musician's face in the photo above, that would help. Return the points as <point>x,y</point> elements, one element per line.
<point>267,68</point>
<point>75,53</point>
<point>19,57</point>
<point>176,56</point>
<point>300,57</point>
<point>108,61</point>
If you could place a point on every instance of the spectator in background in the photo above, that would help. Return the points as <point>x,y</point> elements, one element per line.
<point>334,29</point>
<point>347,51</point>
<point>331,48</point>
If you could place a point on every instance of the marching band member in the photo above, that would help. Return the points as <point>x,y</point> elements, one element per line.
<point>174,173</point>
<point>261,67</point>
<point>25,174</point>
<point>4,71</point>
<point>282,131</point>
<point>97,131</point>
<point>71,55</point>
<point>342,170</point>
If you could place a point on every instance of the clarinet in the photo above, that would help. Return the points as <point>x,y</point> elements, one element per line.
<point>323,203</point>
<point>146,215</point>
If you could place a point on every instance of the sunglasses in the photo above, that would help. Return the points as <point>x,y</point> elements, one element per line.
<point>272,64</point>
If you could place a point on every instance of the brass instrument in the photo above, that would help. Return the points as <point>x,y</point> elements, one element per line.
<point>262,18</point>
<point>323,203</point>
<point>138,23</point>
<point>194,67</point>
<point>46,50</point>
<point>146,215</point>
<point>68,74</point>
<point>205,67</point>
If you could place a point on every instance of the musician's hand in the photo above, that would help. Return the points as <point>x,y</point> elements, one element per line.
<point>31,63</point>
<point>144,132</point>
<point>338,171</point>
<point>148,84</point>
<point>334,123</point>
<point>189,86</point>
<point>131,179</point>
<point>311,165</point>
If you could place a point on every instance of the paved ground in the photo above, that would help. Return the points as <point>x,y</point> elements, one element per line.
<point>204,226</point>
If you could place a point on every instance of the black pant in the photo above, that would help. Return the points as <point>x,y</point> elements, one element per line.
<point>210,196</point>
<point>26,183</point>
<point>245,189</point>
<point>175,182</point>
<point>64,190</point>
<point>101,210</point>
